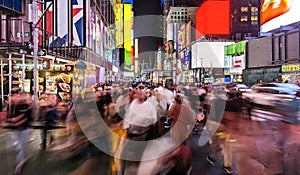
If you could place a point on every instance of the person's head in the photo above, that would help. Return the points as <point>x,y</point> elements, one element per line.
<point>14,98</point>
<point>68,97</point>
<point>52,100</point>
<point>178,99</point>
<point>141,95</point>
<point>62,107</point>
<point>44,96</point>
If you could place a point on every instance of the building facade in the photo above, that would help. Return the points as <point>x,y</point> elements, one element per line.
<point>68,31</point>
<point>245,19</point>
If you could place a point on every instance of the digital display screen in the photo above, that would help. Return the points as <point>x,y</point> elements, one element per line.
<point>277,13</point>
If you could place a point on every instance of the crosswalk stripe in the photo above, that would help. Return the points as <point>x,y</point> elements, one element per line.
<point>258,114</point>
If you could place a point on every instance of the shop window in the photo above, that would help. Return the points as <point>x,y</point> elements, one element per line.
<point>244,9</point>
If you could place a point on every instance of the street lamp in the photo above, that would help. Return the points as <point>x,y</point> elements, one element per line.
<point>35,55</point>
<point>36,21</point>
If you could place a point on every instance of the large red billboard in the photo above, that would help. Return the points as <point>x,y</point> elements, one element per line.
<point>213,18</point>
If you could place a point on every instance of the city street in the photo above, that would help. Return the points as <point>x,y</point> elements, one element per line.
<point>258,147</point>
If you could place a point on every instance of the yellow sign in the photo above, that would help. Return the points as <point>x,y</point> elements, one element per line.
<point>290,68</point>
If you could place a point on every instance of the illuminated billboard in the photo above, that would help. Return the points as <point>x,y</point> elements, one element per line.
<point>208,54</point>
<point>119,25</point>
<point>274,14</point>
<point>213,18</point>
<point>128,36</point>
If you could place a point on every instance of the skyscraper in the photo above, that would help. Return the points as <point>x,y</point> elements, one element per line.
<point>148,30</point>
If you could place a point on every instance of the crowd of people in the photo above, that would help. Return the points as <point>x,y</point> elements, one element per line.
<point>133,112</point>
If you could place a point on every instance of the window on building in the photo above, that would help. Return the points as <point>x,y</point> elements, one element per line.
<point>254,18</point>
<point>244,18</point>
<point>244,9</point>
<point>254,9</point>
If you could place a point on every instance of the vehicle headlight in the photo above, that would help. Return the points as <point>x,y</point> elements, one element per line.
<point>287,99</point>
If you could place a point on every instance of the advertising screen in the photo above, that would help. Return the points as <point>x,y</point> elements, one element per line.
<point>208,54</point>
<point>212,18</point>
<point>119,25</point>
<point>274,14</point>
<point>127,36</point>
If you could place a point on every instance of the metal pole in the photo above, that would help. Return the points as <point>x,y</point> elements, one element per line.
<point>23,71</point>
<point>10,81</point>
<point>23,33</point>
<point>2,83</point>
<point>35,56</point>
<point>10,73</point>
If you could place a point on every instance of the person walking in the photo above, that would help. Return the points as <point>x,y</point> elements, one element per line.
<point>216,129</point>
<point>19,116</point>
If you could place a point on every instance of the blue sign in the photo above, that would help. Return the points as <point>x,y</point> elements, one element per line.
<point>227,80</point>
<point>186,58</point>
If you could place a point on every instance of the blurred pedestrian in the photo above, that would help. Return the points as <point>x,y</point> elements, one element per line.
<point>50,118</point>
<point>218,138</point>
<point>19,116</point>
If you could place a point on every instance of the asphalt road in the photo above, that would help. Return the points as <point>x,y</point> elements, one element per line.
<point>258,147</point>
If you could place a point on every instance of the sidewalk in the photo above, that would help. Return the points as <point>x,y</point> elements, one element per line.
<point>9,144</point>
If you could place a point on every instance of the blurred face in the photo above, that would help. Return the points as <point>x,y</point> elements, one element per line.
<point>62,107</point>
<point>15,98</point>
<point>52,100</point>
<point>44,96</point>
<point>141,95</point>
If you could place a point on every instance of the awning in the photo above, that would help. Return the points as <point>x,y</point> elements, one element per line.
<point>80,64</point>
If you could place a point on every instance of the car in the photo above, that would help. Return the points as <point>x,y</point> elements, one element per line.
<point>243,88</point>
<point>274,95</point>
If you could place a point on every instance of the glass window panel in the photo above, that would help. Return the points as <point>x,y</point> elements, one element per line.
<point>18,5</point>
<point>244,9</point>
<point>254,9</point>
<point>254,18</point>
<point>244,18</point>
<point>8,3</point>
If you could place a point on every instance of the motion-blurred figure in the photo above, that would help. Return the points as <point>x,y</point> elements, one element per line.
<point>19,115</point>
<point>219,139</point>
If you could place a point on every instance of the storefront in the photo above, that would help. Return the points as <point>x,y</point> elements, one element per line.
<point>291,73</point>
<point>65,79</point>
<point>57,81</point>
<point>234,62</point>
<point>264,74</point>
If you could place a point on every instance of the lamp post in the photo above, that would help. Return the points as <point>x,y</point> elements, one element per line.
<point>35,55</point>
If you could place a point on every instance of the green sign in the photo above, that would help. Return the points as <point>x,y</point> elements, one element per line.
<point>128,60</point>
<point>236,48</point>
